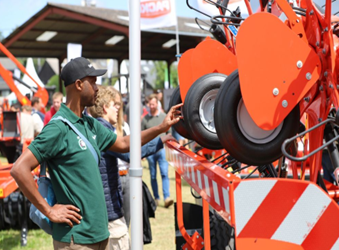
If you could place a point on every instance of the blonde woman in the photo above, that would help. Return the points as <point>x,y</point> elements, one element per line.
<point>122,129</point>
<point>106,109</point>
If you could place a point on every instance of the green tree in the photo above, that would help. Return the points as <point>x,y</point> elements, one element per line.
<point>174,81</point>
<point>109,82</point>
<point>1,36</point>
<point>54,81</point>
<point>160,68</point>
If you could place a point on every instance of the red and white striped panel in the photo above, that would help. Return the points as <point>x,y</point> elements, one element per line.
<point>293,211</point>
<point>209,180</point>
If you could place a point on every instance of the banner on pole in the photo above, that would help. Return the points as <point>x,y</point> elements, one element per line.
<point>157,14</point>
<point>74,50</point>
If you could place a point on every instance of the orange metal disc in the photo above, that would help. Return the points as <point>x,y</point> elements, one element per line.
<point>276,68</point>
<point>209,56</point>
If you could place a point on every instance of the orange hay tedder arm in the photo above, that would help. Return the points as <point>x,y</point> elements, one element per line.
<point>8,77</point>
<point>266,96</point>
<point>14,207</point>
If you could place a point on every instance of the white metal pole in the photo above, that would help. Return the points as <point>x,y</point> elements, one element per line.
<point>177,32</point>
<point>177,38</point>
<point>135,171</point>
<point>178,44</point>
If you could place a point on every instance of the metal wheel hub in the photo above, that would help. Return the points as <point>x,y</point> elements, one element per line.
<point>251,131</point>
<point>206,110</point>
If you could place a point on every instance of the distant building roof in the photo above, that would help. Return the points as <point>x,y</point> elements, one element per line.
<point>92,27</point>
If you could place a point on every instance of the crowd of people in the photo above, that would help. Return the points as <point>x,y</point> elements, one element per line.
<point>32,119</point>
<point>92,209</point>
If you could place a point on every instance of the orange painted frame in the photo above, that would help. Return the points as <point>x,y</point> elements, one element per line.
<point>7,183</point>
<point>226,192</point>
<point>209,56</point>
<point>42,92</point>
<point>320,97</point>
<point>316,107</point>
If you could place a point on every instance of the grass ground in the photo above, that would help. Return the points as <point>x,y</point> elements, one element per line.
<point>163,231</point>
<point>162,225</point>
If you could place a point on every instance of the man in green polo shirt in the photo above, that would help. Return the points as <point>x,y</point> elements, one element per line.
<point>80,216</point>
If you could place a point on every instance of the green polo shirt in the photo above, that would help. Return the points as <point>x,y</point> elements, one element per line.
<point>75,174</point>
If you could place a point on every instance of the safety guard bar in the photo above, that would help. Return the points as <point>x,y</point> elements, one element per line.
<point>303,158</point>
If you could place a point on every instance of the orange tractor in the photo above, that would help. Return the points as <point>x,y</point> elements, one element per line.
<point>246,93</point>
<point>13,205</point>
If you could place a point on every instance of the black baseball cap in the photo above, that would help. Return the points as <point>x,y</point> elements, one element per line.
<point>79,68</point>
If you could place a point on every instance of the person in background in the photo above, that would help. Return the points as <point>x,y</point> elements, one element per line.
<point>37,105</point>
<point>15,107</point>
<point>159,96</point>
<point>106,109</point>
<point>127,108</point>
<point>38,123</point>
<point>182,141</point>
<point>80,216</point>
<point>26,129</point>
<point>152,119</point>
<point>122,129</point>
<point>145,107</point>
<point>57,100</point>
<point>26,124</point>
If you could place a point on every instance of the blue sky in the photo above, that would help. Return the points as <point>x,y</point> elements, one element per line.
<point>13,13</point>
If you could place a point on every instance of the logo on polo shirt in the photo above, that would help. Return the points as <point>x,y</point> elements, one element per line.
<point>82,144</point>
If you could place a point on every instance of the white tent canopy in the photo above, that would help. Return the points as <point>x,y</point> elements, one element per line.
<point>26,79</point>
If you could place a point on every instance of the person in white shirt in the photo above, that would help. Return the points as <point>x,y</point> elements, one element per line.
<point>38,123</point>
<point>26,124</point>
<point>159,95</point>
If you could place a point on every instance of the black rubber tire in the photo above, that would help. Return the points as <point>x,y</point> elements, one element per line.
<point>220,232</point>
<point>230,135</point>
<point>180,126</point>
<point>195,95</point>
<point>2,216</point>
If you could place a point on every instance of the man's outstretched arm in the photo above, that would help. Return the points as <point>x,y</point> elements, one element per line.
<point>148,149</point>
<point>122,144</point>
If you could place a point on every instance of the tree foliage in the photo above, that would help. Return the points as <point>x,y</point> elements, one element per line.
<point>160,68</point>
<point>54,81</point>
<point>174,75</point>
